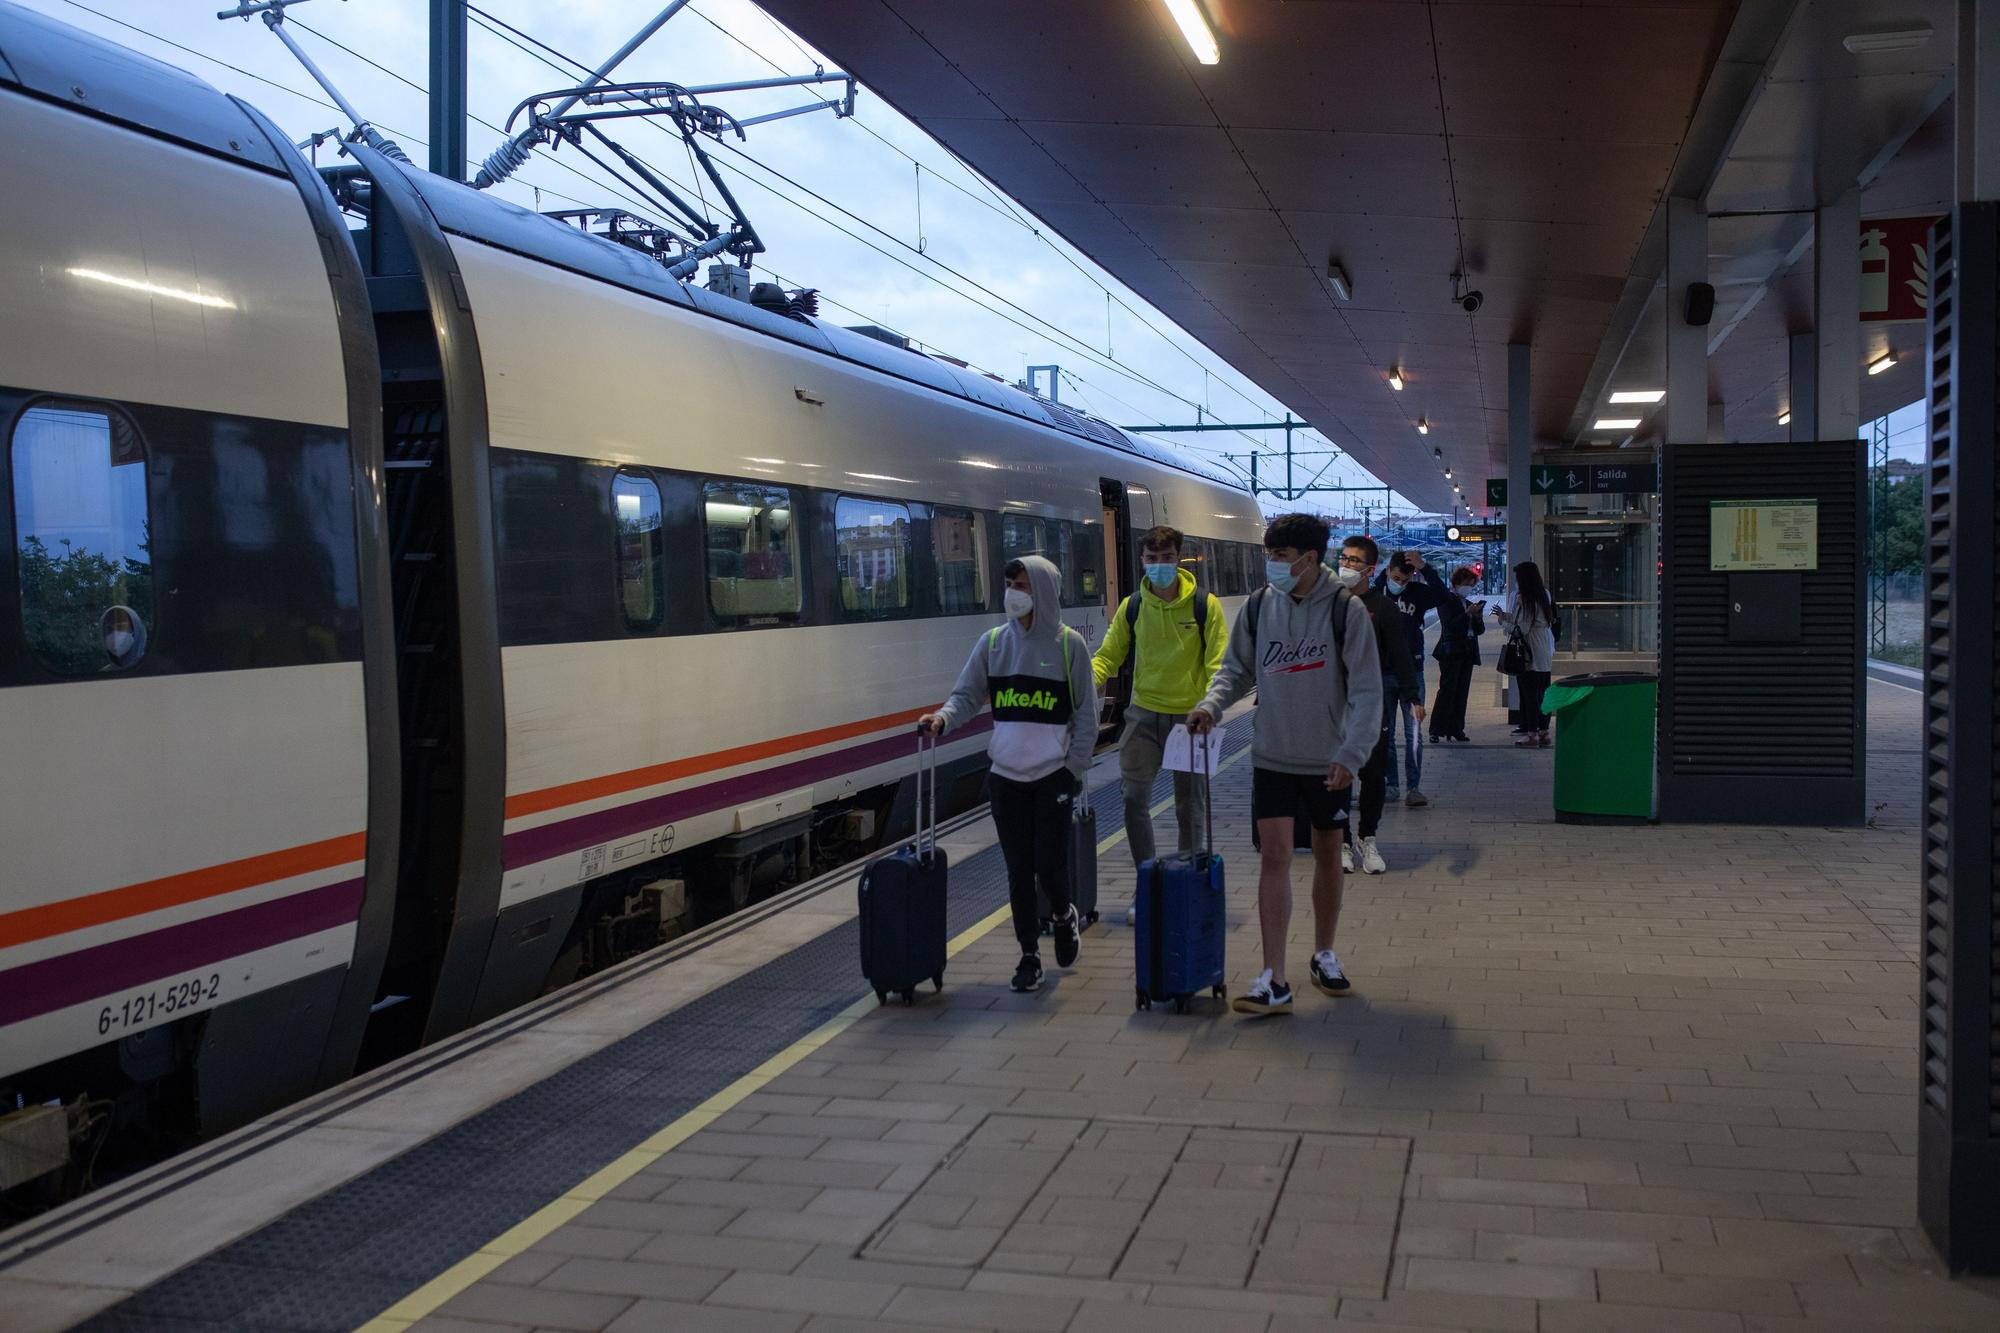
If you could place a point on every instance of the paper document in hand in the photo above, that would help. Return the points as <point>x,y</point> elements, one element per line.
<point>1199,758</point>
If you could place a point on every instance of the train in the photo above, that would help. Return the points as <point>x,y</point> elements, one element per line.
<point>400,584</point>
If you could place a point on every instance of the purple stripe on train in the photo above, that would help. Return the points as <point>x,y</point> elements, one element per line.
<point>105,969</point>
<point>573,835</point>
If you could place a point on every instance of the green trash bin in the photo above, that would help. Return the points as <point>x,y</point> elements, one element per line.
<point>1604,746</point>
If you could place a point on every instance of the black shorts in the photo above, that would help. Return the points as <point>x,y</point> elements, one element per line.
<point>1275,795</point>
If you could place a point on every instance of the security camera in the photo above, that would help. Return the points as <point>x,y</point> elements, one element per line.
<point>1471,301</point>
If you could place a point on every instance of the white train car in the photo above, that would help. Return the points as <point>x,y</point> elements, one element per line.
<point>198,795</point>
<point>386,595</point>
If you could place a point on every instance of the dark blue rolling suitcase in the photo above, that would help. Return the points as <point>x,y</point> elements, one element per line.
<point>1178,932</point>
<point>902,900</point>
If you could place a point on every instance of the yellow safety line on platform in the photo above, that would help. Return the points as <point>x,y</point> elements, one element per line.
<point>539,1225</point>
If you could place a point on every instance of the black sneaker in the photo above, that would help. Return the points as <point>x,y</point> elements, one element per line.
<point>1066,928</point>
<point>1328,977</point>
<point>1265,996</point>
<point>1028,976</point>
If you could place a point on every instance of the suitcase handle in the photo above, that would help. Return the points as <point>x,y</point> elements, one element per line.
<point>1207,795</point>
<point>927,765</point>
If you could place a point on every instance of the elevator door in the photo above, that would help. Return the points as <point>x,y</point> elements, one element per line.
<point>1596,582</point>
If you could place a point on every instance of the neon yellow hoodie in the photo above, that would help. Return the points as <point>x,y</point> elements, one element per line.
<point>1173,671</point>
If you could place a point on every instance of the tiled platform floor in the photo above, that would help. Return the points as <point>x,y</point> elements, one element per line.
<point>1594,1078</point>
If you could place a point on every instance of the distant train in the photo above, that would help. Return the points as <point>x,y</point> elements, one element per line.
<point>393,582</point>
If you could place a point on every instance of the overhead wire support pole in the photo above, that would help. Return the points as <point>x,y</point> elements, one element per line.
<point>273,12</point>
<point>448,92</point>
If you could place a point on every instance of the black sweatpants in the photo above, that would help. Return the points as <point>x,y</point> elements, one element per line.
<point>1454,691</point>
<point>1534,684</point>
<point>1373,779</point>
<point>1032,819</point>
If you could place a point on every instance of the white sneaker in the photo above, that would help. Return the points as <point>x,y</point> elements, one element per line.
<point>1371,857</point>
<point>1347,856</point>
<point>1132,915</point>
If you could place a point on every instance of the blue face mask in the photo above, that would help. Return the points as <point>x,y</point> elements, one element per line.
<point>1280,576</point>
<point>1162,576</point>
<point>1396,585</point>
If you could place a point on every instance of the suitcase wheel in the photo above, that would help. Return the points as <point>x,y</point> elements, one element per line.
<point>881,996</point>
<point>1180,1004</point>
<point>1142,1000</point>
<point>938,981</point>
<point>1092,917</point>
<point>1219,991</point>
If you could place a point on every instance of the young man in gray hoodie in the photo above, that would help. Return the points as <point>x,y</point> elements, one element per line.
<point>1035,670</point>
<point>1307,646</point>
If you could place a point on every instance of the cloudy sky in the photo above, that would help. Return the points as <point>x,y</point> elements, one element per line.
<point>913,214</point>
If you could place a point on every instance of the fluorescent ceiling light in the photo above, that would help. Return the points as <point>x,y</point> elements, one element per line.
<point>1396,380</point>
<point>1638,395</point>
<point>1616,423</point>
<point>154,289</point>
<point>1194,27</point>
<point>1888,39</point>
<point>1785,418</point>
<point>1423,426</point>
<point>1881,364</point>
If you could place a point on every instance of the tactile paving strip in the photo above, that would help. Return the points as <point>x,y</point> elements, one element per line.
<point>335,1262</point>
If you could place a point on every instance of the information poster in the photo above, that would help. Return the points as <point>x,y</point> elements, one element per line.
<point>1763,534</point>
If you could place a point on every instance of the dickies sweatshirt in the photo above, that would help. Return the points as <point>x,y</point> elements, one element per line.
<point>1039,683</point>
<point>1312,711</point>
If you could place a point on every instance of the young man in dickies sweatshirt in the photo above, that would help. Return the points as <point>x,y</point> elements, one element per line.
<point>1035,670</point>
<point>1307,646</point>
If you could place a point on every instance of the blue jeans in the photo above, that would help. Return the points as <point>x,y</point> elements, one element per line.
<point>1396,704</point>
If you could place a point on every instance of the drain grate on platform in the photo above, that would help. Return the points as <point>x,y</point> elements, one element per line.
<point>1264,1210</point>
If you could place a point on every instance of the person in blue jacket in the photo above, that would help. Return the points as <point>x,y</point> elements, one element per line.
<point>1415,589</point>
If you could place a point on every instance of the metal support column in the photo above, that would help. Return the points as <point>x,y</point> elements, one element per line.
<point>1837,317</point>
<point>448,105</point>
<point>1520,456</point>
<point>1878,535</point>
<point>1805,400</point>
<point>1687,344</point>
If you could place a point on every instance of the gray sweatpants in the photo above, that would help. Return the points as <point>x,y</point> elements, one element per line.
<point>1139,757</point>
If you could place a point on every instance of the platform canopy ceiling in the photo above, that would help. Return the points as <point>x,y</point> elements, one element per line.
<point>1529,143</point>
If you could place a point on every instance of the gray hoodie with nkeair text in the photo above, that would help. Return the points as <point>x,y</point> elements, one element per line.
<point>1313,709</point>
<point>1040,685</point>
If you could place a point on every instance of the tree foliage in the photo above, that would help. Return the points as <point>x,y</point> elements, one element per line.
<point>1901,515</point>
<point>64,595</point>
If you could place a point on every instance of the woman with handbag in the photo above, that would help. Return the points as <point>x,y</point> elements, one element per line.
<point>1457,654</point>
<point>1530,654</point>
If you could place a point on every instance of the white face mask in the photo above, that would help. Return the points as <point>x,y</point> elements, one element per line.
<point>1349,578</point>
<point>118,643</point>
<point>1020,604</point>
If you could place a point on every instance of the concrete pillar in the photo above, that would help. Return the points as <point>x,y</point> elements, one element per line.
<point>1837,315</point>
<point>1978,101</point>
<point>1805,403</point>
<point>1717,432</point>
<point>1687,344</point>
<point>1520,458</point>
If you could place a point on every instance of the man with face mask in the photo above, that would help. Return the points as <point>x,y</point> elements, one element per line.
<point>1415,589</point>
<point>1035,671</point>
<point>1174,633</point>
<point>1359,555</point>
<point>1306,645</point>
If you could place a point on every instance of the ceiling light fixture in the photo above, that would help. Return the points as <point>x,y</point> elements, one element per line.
<point>1881,363</point>
<point>1785,418</point>
<point>1335,274</point>
<point>1423,426</point>
<point>1638,395</point>
<point>1616,423</point>
<point>1396,378</point>
<point>1888,39</point>
<point>1447,474</point>
<point>1195,28</point>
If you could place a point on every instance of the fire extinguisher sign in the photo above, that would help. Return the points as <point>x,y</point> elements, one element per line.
<point>1895,269</point>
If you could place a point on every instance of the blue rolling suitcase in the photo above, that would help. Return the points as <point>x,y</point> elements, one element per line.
<point>1181,919</point>
<point>902,900</point>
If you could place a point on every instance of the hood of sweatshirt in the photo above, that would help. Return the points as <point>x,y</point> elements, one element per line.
<point>1046,584</point>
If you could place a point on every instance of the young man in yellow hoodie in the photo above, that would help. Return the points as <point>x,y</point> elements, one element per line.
<point>1175,627</point>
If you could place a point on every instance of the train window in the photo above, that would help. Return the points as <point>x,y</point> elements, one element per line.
<point>753,553</point>
<point>1022,535</point>
<point>1253,567</point>
<point>81,522</point>
<point>1194,559</point>
<point>1218,571</point>
<point>958,542</point>
<point>641,550</point>
<point>873,542</point>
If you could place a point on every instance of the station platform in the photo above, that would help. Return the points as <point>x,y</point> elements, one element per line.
<point>1592,1078</point>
